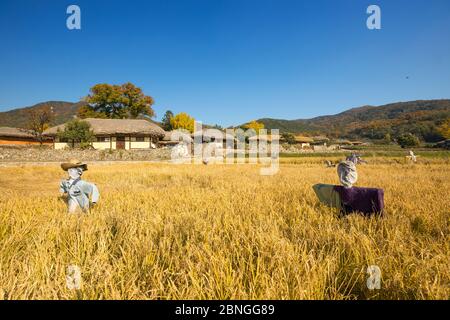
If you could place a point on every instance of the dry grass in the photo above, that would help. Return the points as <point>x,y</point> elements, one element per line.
<point>167,231</point>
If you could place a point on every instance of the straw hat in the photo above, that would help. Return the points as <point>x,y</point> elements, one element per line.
<point>73,163</point>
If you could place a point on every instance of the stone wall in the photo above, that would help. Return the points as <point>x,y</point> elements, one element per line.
<point>296,148</point>
<point>37,154</point>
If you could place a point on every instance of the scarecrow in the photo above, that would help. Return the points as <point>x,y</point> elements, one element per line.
<point>412,156</point>
<point>347,198</point>
<point>77,191</point>
<point>355,158</point>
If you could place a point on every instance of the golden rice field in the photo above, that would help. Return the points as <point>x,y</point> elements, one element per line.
<point>165,231</point>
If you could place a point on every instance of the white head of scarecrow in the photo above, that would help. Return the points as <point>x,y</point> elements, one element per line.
<point>347,173</point>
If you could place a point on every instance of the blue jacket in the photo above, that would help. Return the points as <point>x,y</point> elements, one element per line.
<point>78,192</point>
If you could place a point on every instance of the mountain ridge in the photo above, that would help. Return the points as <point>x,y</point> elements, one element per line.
<point>420,117</point>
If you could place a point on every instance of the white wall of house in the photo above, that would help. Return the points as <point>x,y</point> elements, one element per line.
<point>61,145</point>
<point>320,147</point>
<point>110,143</point>
<point>101,145</point>
<point>305,145</point>
<point>135,144</point>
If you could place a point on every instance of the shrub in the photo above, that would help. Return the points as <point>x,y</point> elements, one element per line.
<point>408,140</point>
<point>288,137</point>
<point>78,131</point>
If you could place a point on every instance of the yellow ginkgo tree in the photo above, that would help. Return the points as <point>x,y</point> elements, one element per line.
<point>255,125</point>
<point>182,121</point>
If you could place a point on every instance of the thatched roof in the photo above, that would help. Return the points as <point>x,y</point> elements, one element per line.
<point>348,142</point>
<point>321,138</point>
<point>14,133</point>
<point>268,138</point>
<point>343,141</point>
<point>443,144</point>
<point>303,139</point>
<point>117,126</point>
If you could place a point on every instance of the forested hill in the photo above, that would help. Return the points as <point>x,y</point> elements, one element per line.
<point>62,110</point>
<point>418,117</point>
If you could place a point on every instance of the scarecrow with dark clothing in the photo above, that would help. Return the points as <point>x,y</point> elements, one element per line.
<point>347,198</point>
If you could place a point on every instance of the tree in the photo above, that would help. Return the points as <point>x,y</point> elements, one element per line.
<point>77,131</point>
<point>254,125</point>
<point>117,102</point>
<point>86,111</point>
<point>166,120</point>
<point>182,121</point>
<point>38,121</point>
<point>408,140</point>
<point>135,101</point>
<point>289,138</point>
<point>444,129</point>
<point>387,138</point>
<point>106,99</point>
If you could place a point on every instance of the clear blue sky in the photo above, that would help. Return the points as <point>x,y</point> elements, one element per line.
<point>228,61</point>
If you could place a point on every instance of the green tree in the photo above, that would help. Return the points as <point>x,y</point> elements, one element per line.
<point>289,138</point>
<point>182,121</point>
<point>38,121</point>
<point>106,99</point>
<point>387,138</point>
<point>77,131</point>
<point>408,140</point>
<point>166,120</point>
<point>117,102</point>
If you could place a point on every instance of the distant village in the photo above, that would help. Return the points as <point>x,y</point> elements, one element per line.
<point>140,134</point>
<point>118,117</point>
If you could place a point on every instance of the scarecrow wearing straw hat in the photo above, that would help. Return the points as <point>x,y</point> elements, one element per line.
<point>77,191</point>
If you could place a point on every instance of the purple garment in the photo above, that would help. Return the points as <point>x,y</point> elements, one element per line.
<point>369,201</point>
